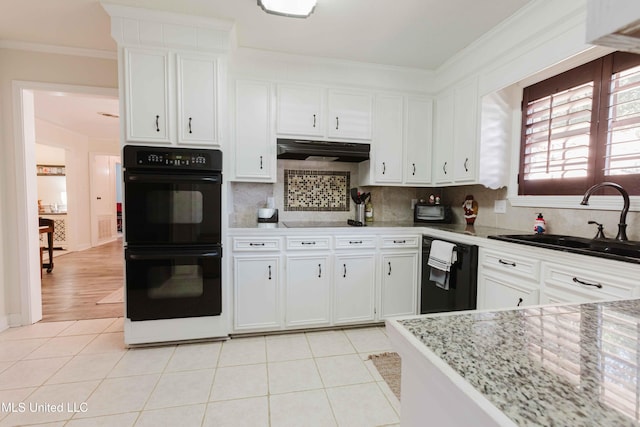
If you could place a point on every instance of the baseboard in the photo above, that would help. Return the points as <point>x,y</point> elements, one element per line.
<point>83,247</point>
<point>4,323</point>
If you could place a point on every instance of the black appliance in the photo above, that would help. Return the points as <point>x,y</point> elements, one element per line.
<point>426,212</point>
<point>173,246</point>
<point>298,149</point>
<point>463,280</point>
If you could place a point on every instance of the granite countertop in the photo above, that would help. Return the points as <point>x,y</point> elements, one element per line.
<point>570,365</point>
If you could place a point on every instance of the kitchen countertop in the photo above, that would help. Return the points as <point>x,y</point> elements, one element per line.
<point>562,365</point>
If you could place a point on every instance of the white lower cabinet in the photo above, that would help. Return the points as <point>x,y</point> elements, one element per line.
<point>398,284</point>
<point>568,283</point>
<point>308,290</point>
<point>503,292</point>
<point>256,292</point>
<point>354,288</point>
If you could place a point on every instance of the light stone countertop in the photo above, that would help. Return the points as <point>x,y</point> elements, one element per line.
<point>563,365</point>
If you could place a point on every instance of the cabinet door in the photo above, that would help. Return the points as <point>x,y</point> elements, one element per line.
<point>388,139</point>
<point>255,147</point>
<point>349,115</point>
<point>299,110</point>
<point>419,140</point>
<point>147,95</point>
<point>197,94</point>
<point>354,288</point>
<point>256,293</point>
<point>500,293</point>
<point>465,131</point>
<point>398,295</point>
<point>443,144</point>
<point>307,290</point>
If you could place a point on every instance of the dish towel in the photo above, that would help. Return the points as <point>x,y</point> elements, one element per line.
<point>441,257</point>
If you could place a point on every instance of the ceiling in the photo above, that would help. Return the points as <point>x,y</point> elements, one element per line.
<point>420,34</point>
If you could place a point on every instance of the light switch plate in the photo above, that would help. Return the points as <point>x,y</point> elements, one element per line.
<point>500,206</point>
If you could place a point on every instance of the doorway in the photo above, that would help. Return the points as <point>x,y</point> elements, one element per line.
<point>26,104</point>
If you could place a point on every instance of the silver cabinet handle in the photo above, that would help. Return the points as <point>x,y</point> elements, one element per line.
<point>466,161</point>
<point>314,120</point>
<point>307,243</point>
<point>157,123</point>
<point>389,273</point>
<point>344,273</point>
<point>444,168</point>
<point>595,285</point>
<point>414,168</point>
<point>261,162</point>
<point>384,168</point>
<point>337,123</point>
<point>256,244</point>
<point>269,272</point>
<point>190,125</point>
<point>512,264</point>
<point>399,241</point>
<point>319,270</point>
<point>355,242</point>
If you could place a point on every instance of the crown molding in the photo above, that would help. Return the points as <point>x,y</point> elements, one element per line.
<point>58,50</point>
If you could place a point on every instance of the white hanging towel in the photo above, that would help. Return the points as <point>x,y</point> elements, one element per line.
<point>441,257</point>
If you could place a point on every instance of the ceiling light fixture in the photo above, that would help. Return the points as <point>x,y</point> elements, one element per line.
<point>290,8</point>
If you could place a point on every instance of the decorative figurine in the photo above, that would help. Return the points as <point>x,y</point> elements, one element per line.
<point>470,207</point>
<point>437,200</point>
<point>432,199</point>
<point>540,225</point>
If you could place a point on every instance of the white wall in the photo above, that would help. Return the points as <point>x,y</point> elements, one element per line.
<point>31,67</point>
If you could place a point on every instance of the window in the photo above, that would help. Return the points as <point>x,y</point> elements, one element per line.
<point>582,127</point>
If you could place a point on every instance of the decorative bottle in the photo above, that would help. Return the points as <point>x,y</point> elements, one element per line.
<point>540,225</point>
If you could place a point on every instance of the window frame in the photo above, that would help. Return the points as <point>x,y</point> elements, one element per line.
<point>600,72</point>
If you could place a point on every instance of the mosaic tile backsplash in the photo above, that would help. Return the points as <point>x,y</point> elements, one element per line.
<point>307,190</point>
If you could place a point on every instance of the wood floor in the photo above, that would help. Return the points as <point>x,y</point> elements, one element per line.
<point>79,280</point>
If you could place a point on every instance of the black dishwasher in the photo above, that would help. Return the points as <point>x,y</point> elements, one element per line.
<point>463,281</point>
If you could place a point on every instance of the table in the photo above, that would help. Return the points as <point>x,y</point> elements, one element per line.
<point>46,226</point>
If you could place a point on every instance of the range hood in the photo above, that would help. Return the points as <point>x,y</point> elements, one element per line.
<point>614,23</point>
<point>299,149</point>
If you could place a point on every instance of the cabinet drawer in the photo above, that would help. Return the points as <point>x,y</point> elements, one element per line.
<point>309,243</point>
<point>256,244</point>
<point>514,265</point>
<point>586,284</point>
<point>354,242</point>
<point>388,242</point>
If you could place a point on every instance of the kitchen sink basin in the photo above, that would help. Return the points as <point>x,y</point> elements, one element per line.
<point>605,248</point>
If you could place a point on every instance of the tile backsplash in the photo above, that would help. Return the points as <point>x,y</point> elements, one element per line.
<point>309,190</point>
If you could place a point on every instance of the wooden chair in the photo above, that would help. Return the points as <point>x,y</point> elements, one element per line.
<point>46,226</point>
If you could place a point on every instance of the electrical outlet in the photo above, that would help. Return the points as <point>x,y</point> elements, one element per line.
<point>500,206</point>
<point>413,203</point>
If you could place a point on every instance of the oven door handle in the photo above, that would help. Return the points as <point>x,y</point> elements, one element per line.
<point>141,256</point>
<point>215,179</point>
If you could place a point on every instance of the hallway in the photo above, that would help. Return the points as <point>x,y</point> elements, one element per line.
<point>79,280</point>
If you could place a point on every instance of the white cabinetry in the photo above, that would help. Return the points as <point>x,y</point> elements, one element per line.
<point>147,95</point>
<point>455,145</point>
<point>418,141</point>
<point>308,290</point>
<point>567,283</point>
<point>354,279</point>
<point>349,114</point>
<point>388,139</point>
<point>256,292</point>
<point>255,144</point>
<point>299,110</point>
<point>507,279</point>
<point>165,90</point>
<point>399,276</point>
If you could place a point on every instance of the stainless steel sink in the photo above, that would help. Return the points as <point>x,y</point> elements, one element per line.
<point>606,248</point>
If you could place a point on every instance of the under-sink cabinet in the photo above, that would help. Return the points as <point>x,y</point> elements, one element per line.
<point>398,270</point>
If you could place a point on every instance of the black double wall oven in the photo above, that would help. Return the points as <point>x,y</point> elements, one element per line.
<point>173,239</point>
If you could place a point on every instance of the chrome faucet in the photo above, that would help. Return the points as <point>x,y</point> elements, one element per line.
<point>622,226</point>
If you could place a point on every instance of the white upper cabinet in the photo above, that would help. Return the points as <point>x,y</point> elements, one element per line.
<point>197,96</point>
<point>147,95</point>
<point>349,114</point>
<point>418,141</point>
<point>443,144</point>
<point>299,110</point>
<point>166,90</point>
<point>388,139</point>
<point>255,143</point>
<point>457,134</point>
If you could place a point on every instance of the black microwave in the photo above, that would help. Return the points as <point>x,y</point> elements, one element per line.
<point>424,212</point>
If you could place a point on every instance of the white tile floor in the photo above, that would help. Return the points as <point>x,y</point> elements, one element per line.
<point>304,379</point>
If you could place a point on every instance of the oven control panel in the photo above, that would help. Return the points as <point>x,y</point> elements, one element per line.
<point>171,158</point>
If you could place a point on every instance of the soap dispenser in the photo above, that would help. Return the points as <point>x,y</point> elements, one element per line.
<point>539,226</point>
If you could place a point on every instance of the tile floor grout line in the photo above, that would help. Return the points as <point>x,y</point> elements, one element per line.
<point>324,387</point>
